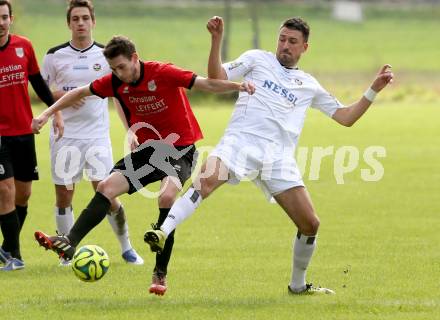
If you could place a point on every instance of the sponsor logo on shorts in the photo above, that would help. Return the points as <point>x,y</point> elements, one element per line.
<point>36,170</point>
<point>2,169</point>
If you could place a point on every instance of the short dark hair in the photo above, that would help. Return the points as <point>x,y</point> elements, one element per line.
<point>80,4</point>
<point>119,45</point>
<point>7,3</point>
<point>299,24</point>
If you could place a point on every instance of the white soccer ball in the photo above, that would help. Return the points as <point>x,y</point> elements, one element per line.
<point>90,263</point>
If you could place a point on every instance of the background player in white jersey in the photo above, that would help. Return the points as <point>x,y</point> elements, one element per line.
<point>263,132</point>
<point>85,145</point>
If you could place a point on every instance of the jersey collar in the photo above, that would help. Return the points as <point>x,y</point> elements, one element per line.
<point>289,68</point>
<point>81,50</point>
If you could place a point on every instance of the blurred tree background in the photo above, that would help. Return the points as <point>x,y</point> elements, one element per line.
<point>349,40</point>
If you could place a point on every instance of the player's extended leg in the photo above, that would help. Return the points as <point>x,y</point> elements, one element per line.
<point>63,211</point>
<point>113,186</point>
<point>118,221</point>
<point>168,194</point>
<point>297,204</point>
<point>23,190</point>
<point>212,175</point>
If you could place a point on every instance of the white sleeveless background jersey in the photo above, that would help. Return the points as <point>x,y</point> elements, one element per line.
<point>66,68</point>
<point>277,109</point>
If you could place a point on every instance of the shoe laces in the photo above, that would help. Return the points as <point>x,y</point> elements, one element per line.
<point>63,235</point>
<point>155,226</point>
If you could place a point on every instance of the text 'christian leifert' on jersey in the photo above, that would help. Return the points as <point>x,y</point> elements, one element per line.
<point>277,109</point>
<point>66,68</point>
<point>157,102</point>
<point>17,63</point>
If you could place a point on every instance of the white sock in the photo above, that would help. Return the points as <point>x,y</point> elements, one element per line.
<point>64,219</point>
<point>119,225</point>
<point>302,254</point>
<point>181,210</point>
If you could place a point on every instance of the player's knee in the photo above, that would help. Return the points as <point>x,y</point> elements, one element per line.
<point>63,197</point>
<point>106,188</point>
<point>166,199</point>
<point>310,226</point>
<point>22,197</point>
<point>6,191</point>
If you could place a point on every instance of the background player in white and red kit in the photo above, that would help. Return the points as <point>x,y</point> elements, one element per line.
<point>85,146</point>
<point>18,161</point>
<point>262,134</point>
<point>152,95</point>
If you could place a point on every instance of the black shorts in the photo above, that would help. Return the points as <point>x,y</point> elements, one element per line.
<point>18,158</point>
<point>153,161</point>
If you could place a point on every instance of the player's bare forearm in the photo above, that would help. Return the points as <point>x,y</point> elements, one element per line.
<point>215,70</point>
<point>348,116</point>
<point>65,101</point>
<point>220,86</point>
<point>58,94</point>
<point>68,100</point>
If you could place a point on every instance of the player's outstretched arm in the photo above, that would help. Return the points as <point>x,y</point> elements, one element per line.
<point>65,101</point>
<point>215,28</point>
<point>220,86</point>
<point>348,116</point>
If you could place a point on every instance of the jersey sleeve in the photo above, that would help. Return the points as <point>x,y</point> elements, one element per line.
<point>32,60</point>
<point>102,87</point>
<point>177,77</point>
<point>48,70</point>
<point>325,102</point>
<point>238,68</point>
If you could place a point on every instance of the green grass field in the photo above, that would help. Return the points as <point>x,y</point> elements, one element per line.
<point>378,242</point>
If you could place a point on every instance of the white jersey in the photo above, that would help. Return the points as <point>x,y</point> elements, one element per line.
<point>277,109</point>
<point>66,68</point>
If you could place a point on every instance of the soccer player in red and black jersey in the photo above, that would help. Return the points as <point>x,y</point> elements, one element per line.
<point>164,130</point>
<point>18,162</point>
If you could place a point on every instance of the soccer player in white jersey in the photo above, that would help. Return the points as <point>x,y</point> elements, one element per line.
<point>262,135</point>
<point>85,145</point>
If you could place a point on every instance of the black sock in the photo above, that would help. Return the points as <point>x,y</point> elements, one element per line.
<point>163,258</point>
<point>22,213</point>
<point>10,226</point>
<point>90,217</point>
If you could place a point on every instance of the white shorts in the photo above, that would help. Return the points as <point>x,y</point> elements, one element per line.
<point>70,158</point>
<point>267,164</point>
